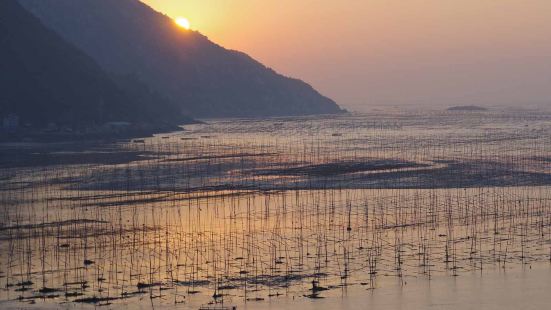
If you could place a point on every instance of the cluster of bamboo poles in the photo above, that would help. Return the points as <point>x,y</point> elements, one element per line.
<point>259,209</point>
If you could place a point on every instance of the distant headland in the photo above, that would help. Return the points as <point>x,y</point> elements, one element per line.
<point>467,108</point>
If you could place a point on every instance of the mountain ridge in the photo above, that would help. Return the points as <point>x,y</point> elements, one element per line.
<point>202,77</point>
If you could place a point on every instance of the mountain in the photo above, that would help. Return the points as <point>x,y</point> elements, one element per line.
<point>205,79</point>
<point>44,79</point>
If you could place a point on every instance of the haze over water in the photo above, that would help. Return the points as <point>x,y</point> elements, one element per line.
<point>387,53</point>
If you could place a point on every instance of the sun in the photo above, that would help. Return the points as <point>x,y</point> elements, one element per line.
<point>182,22</point>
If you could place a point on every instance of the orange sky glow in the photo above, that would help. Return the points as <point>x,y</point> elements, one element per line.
<point>365,53</point>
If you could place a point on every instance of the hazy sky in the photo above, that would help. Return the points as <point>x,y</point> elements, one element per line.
<point>391,52</point>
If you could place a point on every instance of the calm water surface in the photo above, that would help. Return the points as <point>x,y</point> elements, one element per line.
<point>389,210</point>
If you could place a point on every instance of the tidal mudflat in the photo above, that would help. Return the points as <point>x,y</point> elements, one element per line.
<point>392,209</point>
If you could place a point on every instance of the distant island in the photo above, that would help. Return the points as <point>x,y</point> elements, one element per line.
<point>467,108</point>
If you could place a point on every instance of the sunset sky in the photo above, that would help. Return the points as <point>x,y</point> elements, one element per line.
<point>370,53</point>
